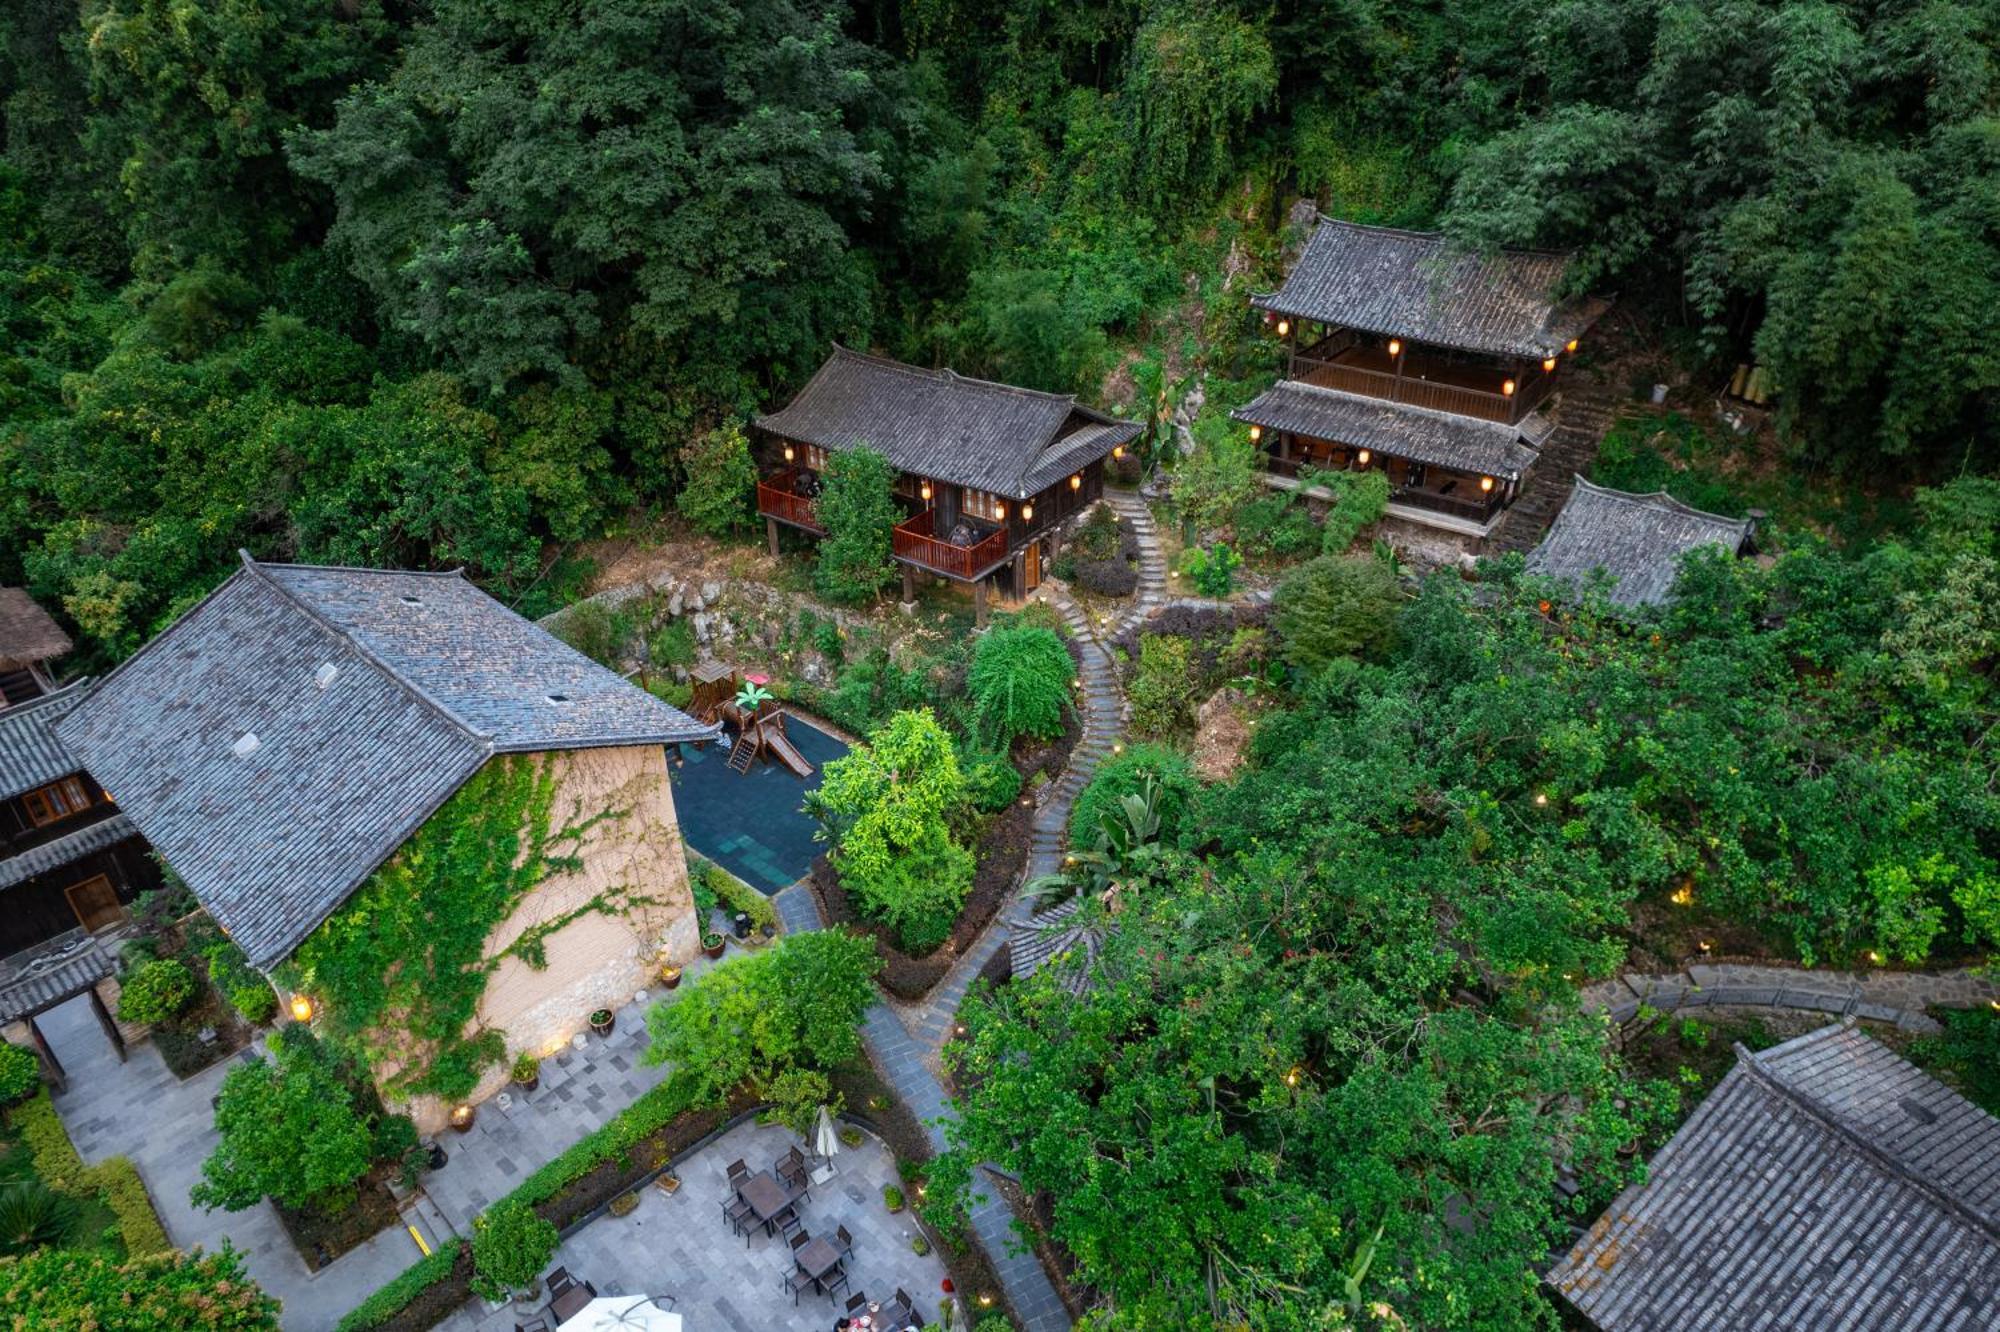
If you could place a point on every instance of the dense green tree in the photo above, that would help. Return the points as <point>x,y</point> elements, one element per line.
<point>1020,683</point>
<point>290,1129</point>
<point>857,507</point>
<point>1336,606</point>
<point>720,481</point>
<point>170,1292</point>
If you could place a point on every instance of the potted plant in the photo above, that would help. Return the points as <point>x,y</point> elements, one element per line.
<point>892,1198</point>
<point>602,1021</point>
<point>527,1071</point>
<point>712,944</point>
<point>623,1205</point>
<point>670,976</point>
<point>668,1183</point>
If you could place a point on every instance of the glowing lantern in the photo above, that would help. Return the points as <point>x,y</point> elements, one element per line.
<point>302,1008</point>
<point>1284,327</point>
<point>1507,389</point>
<point>1548,364</point>
<point>1076,481</point>
<point>1395,346</point>
<point>1363,457</point>
<point>1027,513</point>
<point>1256,433</point>
<point>1486,483</point>
<point>1571,346</point>
<point>925,491</point>
<point>1118,451</point>
<point>789,453</point>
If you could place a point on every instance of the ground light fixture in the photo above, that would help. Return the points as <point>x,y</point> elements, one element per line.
<point>302,1008</point>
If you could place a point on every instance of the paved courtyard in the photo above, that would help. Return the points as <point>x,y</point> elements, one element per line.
<point>681,1246</point>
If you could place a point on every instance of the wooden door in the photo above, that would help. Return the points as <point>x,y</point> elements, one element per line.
<point>95,902</point>
<point>1031,573</point>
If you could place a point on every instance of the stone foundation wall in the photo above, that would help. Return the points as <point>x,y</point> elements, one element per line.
<point>596,960</point>
<point>1425,549</point>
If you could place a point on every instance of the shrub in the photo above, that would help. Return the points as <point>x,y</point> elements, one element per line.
<point>1336,606</point>
<point>893,798</point>
<point>48,1144</point>
<point>170,1292</point>
<point>156,991</point>
<point>1162,693</point>
<point>1358,500</point>
<point>1020,683</point>
<point>892,1197</point>
<point>58,1164</point>
<point>857,507</point>
<point>396,1295</point>
<point>1213,571</point>
<point>34,1216</point>
<point>20,1072</point>
<point>1124,774</point>
<point>593,631</point>
<point>718,480</point>
<point>1114,577</point>
<point>256,1003</point>
<point>991,781</point>
<point>125,1193</point>
<point>290,1131</point>
<point>1278,525</point>
<point>737,895</point>
<point>510,1247</point>
<point>673,644</point>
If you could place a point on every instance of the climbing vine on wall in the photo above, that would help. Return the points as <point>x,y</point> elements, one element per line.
<point>399,970</point>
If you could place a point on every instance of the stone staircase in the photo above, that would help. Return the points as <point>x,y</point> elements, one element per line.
<point>1587,409</point>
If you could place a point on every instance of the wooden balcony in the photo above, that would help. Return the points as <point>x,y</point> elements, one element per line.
<point>1441,491</point>
<point>915,543</point>
<point>1433,382</point>
<point>779,497</point>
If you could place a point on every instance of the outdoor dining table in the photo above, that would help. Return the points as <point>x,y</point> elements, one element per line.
<point>817,1258</point>
<point>765,1196</point>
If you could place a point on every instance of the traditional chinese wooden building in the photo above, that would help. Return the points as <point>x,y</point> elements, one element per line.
<point>1433,365</point>
<point>1636,542</point>
<point>986,471</point>
<point>29,641</point>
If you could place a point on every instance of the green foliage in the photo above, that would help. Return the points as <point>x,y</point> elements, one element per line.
<point>857,508</point>
<point>510,1247</point>
<point>171,1292</point>
<point>737,895</point>
<point>1200,71</point>
<point>394,1296</point>
<point>720,481</point>
<point>991,779</point>
<point>20,1072</point>
<point>1212,571</point>
<point>1359,499</point>
<point>155,991</point>
<point>1966,1054</point>
<point>1336,606</point>
<point>1019,683</point>
<point>257,1003</point>
<point>894,798</point>
<point>290,1130</point>
<point>761,1018</point>
<point>1168,770</point>
<point>594,631</point>
<point>400,968</point>
<point>34,1216</point>
<point>1163,691</point>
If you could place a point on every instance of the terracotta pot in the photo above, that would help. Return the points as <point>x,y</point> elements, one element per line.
<point>603,1028</point>
<point>670,977</point>
<point>714,949</point>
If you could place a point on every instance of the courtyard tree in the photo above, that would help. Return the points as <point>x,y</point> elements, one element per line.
<point>290,1131</point>
<point>1020,683</point>
<point>510,1247</point>
<point>858,509</point>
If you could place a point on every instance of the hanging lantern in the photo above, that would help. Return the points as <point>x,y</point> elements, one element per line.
<point>1395,346</point>
<point>1548,365</point>
<point>1363,457</point>
<point>789,453</point>
<point>1256,433</point>
<point>1284,327</point>
<point>1118,451</point>
<point>1486,483</point>
<point>1076,481</point>
<point>302,1008</point>
<point>925,491</point>
<point>1507,389</point>
<point>1000,511</point>
<point>1570,346</point>
<point>1027,513</point>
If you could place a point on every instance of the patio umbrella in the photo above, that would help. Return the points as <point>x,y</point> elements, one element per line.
<point>622,1313</point>
<point>826,1141</point>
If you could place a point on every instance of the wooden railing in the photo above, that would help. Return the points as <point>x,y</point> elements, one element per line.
<point>1431,393</point>
<point>776,498</point>
<point>1477,505</point>
<point>914,541</point>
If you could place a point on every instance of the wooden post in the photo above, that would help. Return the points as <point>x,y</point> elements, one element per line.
<point>104,1021</point>
<point>909,583</point>
<point>50,1064</point>
<point>979,604</point>
<point>771,535</point>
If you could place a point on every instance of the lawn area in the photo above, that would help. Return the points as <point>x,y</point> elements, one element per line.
<point>97,1225</point>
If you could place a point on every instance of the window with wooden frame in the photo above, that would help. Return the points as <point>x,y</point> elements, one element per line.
<point>812,457</point>
<point>983,504</point>
<point>57,800</point>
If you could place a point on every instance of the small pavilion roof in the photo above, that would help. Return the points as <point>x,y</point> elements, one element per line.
<point>30,753</point>
<point>1637,539</point>
<point>1417,285</point>
<point>279,741</point>
<point>1438,439</point>
<point>1825,1183</point>
<point>27,632</point>
<point>938,423</point>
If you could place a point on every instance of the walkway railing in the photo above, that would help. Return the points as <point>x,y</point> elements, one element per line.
<point>777,497</point>
<point>914,540</point>
<point>1430,393</point>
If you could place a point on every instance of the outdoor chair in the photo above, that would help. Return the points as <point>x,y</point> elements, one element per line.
<point>533,1325</point>
<point>903,1298</point>
<point>786,1221</point>
<point>737,1213</point>
<point>559,1281</point>
<point>738,1169</point>
<point>834,1282</point>
<point>858,1300</point>
<point>843,1241</point>
<point>800,1240</point>
<point>796,1282</point>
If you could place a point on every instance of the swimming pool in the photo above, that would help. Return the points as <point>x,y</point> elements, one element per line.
<point>752,824</point>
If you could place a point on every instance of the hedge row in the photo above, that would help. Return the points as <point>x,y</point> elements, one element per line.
<point>399,1294</point>
<point>116,1179</point>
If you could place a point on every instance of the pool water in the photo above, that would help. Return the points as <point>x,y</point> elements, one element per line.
<point>753,824</point>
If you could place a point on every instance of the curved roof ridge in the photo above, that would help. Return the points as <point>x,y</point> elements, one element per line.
<point>1456,418</point>
<point>1681,507</point>
<point>73,692</point>
<point>1445,237</point>
<point>362,650</point>
<point>946,373</point>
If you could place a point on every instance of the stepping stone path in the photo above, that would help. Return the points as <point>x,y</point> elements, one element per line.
<point>1586,412</point>
<point>1882,996</point>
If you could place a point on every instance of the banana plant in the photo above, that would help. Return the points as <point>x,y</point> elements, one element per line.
<point>751,697</point>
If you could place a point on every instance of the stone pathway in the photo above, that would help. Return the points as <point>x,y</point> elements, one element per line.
<point>1882,996</point>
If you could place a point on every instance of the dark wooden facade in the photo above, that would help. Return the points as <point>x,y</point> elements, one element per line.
<point>89,889</point>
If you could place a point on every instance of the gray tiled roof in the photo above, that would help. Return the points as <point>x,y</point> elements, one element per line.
<point>373,696</point>
<point>1438,439</point>
<point>1825,1184</point>
<point>65,966</point>
<point>1415,285</point>
<point>26,631</point>
<point>1638,539</point>
<point>30,753</point>
<point>936,423</point>
<point>49,855</point>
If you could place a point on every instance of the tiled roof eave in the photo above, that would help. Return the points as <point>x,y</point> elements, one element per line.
<point>1415,434</point>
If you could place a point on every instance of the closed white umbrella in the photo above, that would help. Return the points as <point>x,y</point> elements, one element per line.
<point>622,1313</point>
<point>826,1141</point>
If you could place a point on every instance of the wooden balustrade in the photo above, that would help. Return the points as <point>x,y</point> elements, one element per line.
<point>1434,394</point>
<point>776,498</point>
<point>913,540</point>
